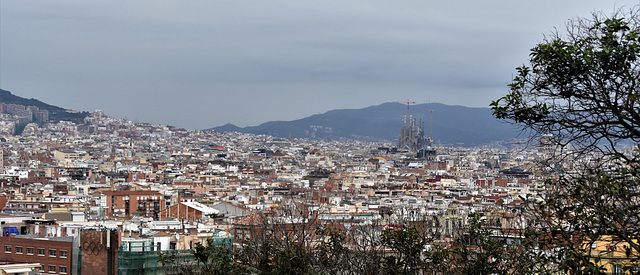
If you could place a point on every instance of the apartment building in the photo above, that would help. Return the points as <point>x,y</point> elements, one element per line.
<point>126,203</point>
<point>53,254</point>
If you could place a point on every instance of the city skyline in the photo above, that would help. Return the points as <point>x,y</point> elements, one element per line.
<point>204,64</point>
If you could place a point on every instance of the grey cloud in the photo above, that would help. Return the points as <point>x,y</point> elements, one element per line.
<point>247,62</point>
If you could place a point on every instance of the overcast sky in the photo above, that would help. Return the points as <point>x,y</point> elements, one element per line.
<point>200,64</point>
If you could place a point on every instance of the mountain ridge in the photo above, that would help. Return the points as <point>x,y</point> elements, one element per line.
<point>452,124</point>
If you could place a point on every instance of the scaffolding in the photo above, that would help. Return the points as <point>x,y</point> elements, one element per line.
<point>141,257</point>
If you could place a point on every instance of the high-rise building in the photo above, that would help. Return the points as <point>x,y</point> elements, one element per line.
<point>547,144</point>
<point>41,115</point>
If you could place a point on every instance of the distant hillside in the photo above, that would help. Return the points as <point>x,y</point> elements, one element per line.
<point>55,113</point>
<point>452,125</point>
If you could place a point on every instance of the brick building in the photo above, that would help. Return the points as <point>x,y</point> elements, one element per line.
<point>188,211</point>
<point>93,251</point>
<point>126,203</point>
<point>99,251</point>
<point>55,255</point>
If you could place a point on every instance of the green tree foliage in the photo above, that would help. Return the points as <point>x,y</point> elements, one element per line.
<point>582,88</point>
<point>408,246</point>
<point>404,250</point>
<point>212,259</point>
<point>269,257</point>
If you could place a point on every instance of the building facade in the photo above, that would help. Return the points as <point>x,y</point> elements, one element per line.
<point>55,255</point>
<point>126,203</point>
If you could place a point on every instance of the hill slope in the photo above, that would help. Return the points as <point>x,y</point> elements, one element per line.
<point>453,125</point>
<point>55,113</point>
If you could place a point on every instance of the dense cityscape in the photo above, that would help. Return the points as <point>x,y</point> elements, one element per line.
<point>347,191</point>
<point>165,188</point>
<point>130,191</point>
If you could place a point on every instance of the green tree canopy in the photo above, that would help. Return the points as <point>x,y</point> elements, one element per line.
<point>582,87</point>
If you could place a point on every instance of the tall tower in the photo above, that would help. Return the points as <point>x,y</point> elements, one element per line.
<point>412,132</point>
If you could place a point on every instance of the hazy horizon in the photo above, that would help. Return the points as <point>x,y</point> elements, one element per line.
<point>201,64</point>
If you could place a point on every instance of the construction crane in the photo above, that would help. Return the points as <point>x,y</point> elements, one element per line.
<point>431,125</point>
<point>408,102</point>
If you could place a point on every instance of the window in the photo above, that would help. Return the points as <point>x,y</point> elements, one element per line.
<point>52,269</point>
<point>19,249</point>
<point>63,253</point>
<point>617,269</point>
<point>7,249</point>
<point>63,269</point>
<point>29,250</point>
<point>40,251</point>
<point>52,252</point>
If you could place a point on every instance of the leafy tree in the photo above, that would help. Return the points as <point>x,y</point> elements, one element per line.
<point>359,249</point>
<point>282,242</point>
<point>332,253</point>
<point>482,251</point>
<point>408,245</point>
<point>583,88</point>
<point>365,249</point>
<point>212,259</point>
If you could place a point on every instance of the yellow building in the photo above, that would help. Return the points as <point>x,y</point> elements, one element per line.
<point>70,154</point>
<point>613,254</point>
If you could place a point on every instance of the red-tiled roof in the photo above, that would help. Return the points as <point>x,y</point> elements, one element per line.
<point>253,219</point>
